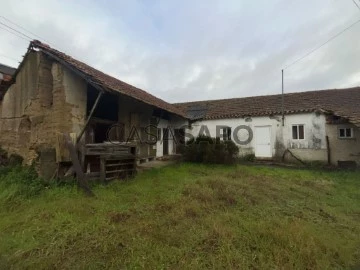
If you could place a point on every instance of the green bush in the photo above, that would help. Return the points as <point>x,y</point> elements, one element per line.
<point>205,149</point>
<point>19,182</point>
<point>249,157</point>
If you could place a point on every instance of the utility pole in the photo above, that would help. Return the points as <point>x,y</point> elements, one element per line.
<point>282,98</point>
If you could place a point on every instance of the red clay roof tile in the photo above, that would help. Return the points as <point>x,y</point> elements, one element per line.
<point>341,102</point>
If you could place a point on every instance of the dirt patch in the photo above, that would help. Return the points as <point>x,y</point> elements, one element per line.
<point>227,196</point>
<point>191,213</point>
<point>163,207</point>
<point>202,194</point>
<point>118,217</point>
<point>326,216</point>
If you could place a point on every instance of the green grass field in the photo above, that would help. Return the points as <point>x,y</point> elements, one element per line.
<point>185,217</point>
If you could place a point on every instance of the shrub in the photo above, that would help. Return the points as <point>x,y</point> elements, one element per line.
<point>19,182</point>
<point>249,157</point>
<point>205,149</point>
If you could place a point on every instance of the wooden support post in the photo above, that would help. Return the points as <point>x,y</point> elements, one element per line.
<point>102,169</point>
<point>81,177</point>
<point>90,115</point>
<point>328,150</point>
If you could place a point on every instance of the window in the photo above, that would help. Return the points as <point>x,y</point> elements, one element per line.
<point>227,134</point>
<point>298,132</point>
<point>345,133</point>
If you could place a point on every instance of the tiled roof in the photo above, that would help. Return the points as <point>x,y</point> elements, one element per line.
<point>341,102</point>
<point>4,69</point>
<point>6,73</point>
<point>105,81</point>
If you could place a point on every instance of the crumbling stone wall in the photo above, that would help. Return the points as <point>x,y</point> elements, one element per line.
<point>46,100</point>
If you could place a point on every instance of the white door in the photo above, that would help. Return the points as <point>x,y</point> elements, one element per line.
<point>263,142</point>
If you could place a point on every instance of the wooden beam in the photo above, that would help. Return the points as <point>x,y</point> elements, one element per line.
<point>90,115</point>
<point>328,150</point>
<point>102,169</point>
<point>81,177</point>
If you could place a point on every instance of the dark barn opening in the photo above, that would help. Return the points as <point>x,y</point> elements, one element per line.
<point>104,116</point>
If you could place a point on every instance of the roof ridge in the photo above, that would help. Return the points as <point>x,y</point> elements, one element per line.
<point>267,96</point>
<point>45,46</point>
<point>342,102</point>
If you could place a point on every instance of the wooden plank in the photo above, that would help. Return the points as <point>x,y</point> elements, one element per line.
<point>101,151</point>
<point>81,178</point>
<point>118,171</point>
<point>111,178</point>
<point>118,157</point>
<point>119,164</point>
<point>102,169</point>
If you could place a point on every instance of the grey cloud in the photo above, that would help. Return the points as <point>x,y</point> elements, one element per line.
<point>191,50</point>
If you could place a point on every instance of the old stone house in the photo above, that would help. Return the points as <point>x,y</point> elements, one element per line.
<point>52,94</point>
<point>313,126</point>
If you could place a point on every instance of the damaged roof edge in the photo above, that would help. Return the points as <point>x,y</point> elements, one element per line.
<point>98,79</point>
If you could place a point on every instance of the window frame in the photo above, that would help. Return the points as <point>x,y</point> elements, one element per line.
<point>226,134</point>
<point>297,132</point>
<point>345,137</point>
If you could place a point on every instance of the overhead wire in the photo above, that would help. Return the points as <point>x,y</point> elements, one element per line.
<point>23,28</point>
<point>322,45</point>
<point>11,32</point>
<point>9,57</point>
<point>19,32</point>
<point>356,4</point>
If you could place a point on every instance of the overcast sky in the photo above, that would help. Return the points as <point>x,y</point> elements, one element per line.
<point>198,49</point>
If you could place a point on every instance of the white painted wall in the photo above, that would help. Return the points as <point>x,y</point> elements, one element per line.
<point>172,124</point>
<point>313,146</point>
<point>243,134</point>
<point>159,145</point>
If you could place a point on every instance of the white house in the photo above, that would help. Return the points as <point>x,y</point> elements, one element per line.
<point>313,126</point>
